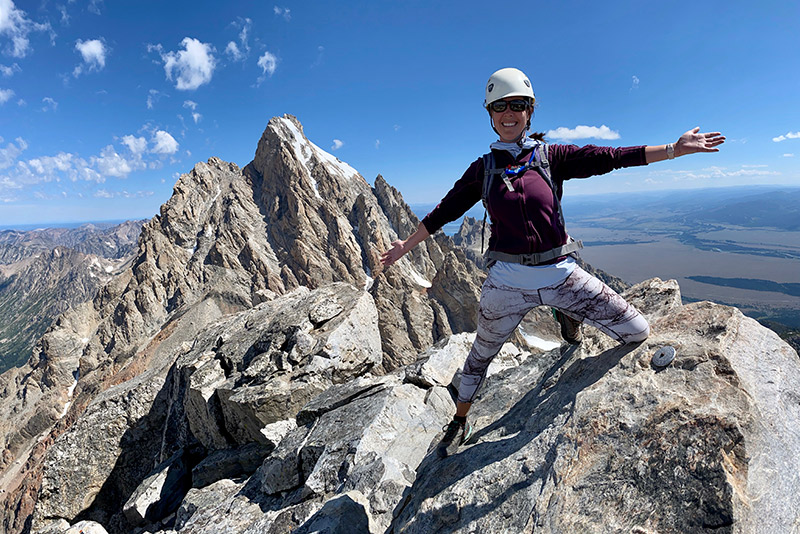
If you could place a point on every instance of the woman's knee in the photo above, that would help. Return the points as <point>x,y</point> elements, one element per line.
<point>641,335</point>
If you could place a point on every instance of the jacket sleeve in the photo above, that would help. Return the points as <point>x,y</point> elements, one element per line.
<point>572,161</point>
<point>463,195</point>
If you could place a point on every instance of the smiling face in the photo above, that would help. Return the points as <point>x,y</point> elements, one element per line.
<point>510,125</point>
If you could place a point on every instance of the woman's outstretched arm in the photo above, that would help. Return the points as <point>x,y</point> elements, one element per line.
<point>691,142</point>
<point>400,247</point>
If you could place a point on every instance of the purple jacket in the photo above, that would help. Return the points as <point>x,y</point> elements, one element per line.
<point>525,220</point>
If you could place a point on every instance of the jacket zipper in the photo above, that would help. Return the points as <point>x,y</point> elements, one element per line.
<point>526,223</point>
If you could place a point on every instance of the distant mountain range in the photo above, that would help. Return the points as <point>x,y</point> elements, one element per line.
<point>113,241</point>
<point>45,272</point>
<point>750,207</point>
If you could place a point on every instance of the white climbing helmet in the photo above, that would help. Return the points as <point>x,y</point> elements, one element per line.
<point>508,82</point>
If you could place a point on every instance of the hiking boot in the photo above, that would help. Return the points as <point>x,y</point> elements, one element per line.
<point>455,434</point>
<point>570,328</point>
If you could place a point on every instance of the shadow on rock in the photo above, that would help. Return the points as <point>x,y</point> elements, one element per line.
<point>428,505</point>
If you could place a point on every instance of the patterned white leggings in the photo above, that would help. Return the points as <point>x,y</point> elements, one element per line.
<point>580,295</point>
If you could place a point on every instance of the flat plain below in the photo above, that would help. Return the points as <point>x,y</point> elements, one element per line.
<point>635,256</point>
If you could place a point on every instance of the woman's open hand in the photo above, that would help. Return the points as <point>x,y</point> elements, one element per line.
<point>693,141</point>
<point>394,253</point>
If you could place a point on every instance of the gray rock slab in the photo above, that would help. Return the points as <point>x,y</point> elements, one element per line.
<point>160,493</point>
<point>441,364</point>
<point>86,527</point>
<point>229,464</point>
<point>347,513</point>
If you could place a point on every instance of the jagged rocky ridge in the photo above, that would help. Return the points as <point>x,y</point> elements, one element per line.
<point>220,392</point>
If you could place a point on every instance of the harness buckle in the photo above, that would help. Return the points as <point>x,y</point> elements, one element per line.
<point>513,170</point>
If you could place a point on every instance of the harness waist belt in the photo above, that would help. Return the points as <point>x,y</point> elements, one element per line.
<point>535,258</point>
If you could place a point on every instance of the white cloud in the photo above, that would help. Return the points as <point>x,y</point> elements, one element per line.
<point>246,23</point>
<point>635,83</point>
<point>337,144</point>
<point>233,50</point>
<point>7,183</point>
<point>583,132</point>
<point>94,6</point>
<point>137,145</point>
<point>193,106</point>
<point>11,152</point>
<point>164,143</point>
<point>94,55</point>
<point>789,135</point>
<point>64,15</point>
<point>284,12</point>
<point>320,55</point>
<point>51,169</point>
<point>5,95</point>
<point>49,104</point>
<point>105,193</point>
<point>788,155</point>
<point>240,52</point>
<point>17,27</point>
<point>152,98</point>
<point>268,63</point>
<point>109,163</point>
<point>750,172</point>
<point>9,71</point>
<point>192,67</point>
<point>715,172</point>
<point>377,143</point>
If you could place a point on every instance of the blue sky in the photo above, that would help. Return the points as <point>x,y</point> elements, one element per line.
<point>104,104</point>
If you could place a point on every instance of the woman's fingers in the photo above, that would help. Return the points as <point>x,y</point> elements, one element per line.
<point>393,254</point>
<point>693,141</point>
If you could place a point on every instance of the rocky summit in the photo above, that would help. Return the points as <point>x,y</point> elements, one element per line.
<point>255,370</point>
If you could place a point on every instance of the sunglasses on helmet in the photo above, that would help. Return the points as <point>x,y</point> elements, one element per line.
<point>499,106</point>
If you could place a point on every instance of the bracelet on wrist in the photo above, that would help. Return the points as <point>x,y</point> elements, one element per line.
<point>670,151</point>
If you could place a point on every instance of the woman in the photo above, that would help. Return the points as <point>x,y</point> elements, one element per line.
<point>529,247</point>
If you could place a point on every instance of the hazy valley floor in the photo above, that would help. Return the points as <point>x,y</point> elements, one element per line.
<point>636,256</point>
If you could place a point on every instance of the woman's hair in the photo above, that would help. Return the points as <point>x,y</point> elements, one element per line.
<point>539,136</point>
